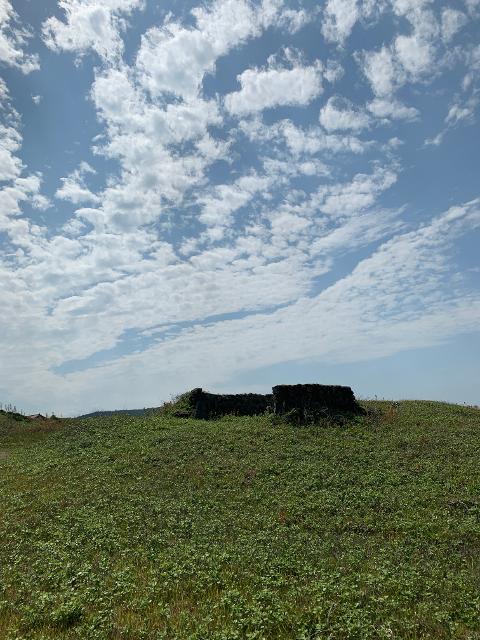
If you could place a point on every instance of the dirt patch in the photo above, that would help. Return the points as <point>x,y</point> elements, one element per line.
<point>3,455</point>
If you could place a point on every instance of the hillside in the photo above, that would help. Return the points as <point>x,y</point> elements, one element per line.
<point>107,414</point>
<point>156,527</point>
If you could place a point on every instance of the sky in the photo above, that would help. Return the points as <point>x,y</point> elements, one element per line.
<point>233,195</point>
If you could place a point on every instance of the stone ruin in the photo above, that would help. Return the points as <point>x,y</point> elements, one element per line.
<point>300,402</point>
<point>211,405</point>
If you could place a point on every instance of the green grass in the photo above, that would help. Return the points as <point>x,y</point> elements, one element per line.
<point>159,527</point>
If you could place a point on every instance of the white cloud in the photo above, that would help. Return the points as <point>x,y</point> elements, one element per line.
<point>263,89</point>
<point>10,164</point>
<point>175,58</point>
<point>125,109</point>
<point>218,206</point>
<point>22,189</point>
<point>16,188</point>
<point>340,114</point>
<point>73,186</point>
<point>435,141</point>
<point>420,15</point>
<point>391,108</point>
<point>156,104</point>
<point>340,17</point>
<point>409,59</point>
<point>142,135</point>
<point>472,61</point>
<point>357,231</point>
<point>452,22</point>
<point>293,19</point>
<point>473,57</point>
<point>461,111</point>
<point>169,241</point>
<point>303,140</point>
<point>13,39</point>
<point>89,24</point>
<point>312,141</point>
<point>346,199</point>
<point>333,71</point>
<point>40,202</point>
<point>415,55</point>
<point>472,6</point>
<point>381,71</point>
<point>390,302</point>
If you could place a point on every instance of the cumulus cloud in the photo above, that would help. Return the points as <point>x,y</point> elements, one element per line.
<point>388,303</point>
<point>472,6</point>
<point>414,54</point>
<point>200,216</point>
<point>293,19</point>
<point>391,109</point>
<point>452,22</point>
<point>156,104</point>
<point>175,58</point>
<point>10,164</point>
<point>303,141</point>
<point>89,24</point>
<point>16,186</point>
<point>345,199</point>
<point>340,17</point>
<point>340,114</point>
<point>267,88</point>
<point>218,206</point>
<point>13,39</point>
<point>461,112</point>
<point>381,70</point>
<point>408,59</point>
<point>73,186</point>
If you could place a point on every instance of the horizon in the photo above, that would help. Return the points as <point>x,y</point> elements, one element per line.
<point>234,195</point>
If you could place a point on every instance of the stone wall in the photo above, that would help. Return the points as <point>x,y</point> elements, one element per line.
<point>212,405</point>
<point>307,401</point>
<point>312,401</point>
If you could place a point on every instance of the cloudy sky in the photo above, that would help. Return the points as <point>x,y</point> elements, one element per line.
<point>236,194</point>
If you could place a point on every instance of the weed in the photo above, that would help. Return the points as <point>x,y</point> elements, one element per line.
<point>156,527</point>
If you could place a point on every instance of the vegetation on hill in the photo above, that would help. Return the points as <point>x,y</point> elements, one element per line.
<point>156,527</point>
<point>7,415</point>
<point>106,414</point>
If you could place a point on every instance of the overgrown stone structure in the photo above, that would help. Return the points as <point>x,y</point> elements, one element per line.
<point>310,402</point>
<point>212,405</point>
<point>301,402</point>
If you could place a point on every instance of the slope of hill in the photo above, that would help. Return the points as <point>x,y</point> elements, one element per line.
<point>157,527</point>
<point>106,414</point>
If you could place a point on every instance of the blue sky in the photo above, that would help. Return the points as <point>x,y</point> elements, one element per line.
<point>234,195</point>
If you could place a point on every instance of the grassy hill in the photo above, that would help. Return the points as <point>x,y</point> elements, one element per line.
<point>156,527</point>
<point>107,414</point>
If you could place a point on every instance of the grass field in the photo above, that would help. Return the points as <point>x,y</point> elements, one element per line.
<point>155,527</point>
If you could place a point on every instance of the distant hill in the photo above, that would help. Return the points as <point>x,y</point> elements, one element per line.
<point>129,412</point>
<point>12,415</point>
